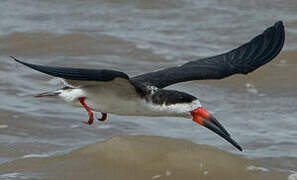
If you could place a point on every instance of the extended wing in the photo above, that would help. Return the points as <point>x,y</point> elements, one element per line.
<point>77,76</point>
<point>242,60</point>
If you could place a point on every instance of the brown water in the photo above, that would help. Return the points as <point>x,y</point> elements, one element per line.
<point>133,36</point>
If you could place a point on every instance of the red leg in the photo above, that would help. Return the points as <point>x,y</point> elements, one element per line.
<point>103,117</point>
<point>82,101</point>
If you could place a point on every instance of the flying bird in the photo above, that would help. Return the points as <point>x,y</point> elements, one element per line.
<point>114,92</point>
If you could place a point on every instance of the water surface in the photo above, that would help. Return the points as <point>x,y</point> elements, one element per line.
<point>133,36</point>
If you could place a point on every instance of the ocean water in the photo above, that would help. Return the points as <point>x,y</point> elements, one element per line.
<point>137,36</point>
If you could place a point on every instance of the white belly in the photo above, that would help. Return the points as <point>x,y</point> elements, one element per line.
<point>123,102</point>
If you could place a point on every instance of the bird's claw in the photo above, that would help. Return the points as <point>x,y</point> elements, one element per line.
<point>89,122</point>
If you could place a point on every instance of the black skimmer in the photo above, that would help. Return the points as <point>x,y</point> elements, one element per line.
<point>109,91</point>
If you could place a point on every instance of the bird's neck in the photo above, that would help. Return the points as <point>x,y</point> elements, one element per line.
<point>173,110</point>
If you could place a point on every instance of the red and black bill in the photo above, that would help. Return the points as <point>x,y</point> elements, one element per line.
<point>204,118</point>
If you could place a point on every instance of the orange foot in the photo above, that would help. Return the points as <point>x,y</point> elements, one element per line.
<point>82,101</point>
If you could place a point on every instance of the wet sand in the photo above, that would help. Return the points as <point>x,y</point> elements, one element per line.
<point>143,157</point>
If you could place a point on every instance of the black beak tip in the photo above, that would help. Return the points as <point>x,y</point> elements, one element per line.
<point>231,141</point>
<point>239,147</point>
<point>211,126</point>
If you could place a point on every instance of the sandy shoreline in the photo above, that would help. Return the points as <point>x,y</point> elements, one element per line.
<point>143,157</point>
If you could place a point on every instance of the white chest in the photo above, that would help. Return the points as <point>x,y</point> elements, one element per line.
<point>123,102</point>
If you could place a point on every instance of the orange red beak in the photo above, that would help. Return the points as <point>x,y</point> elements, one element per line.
<point>204,118</point>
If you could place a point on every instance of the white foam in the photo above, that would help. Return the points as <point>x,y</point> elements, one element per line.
<point>3,126</point>
<point>168,173</point>
<point>282,63</point>
<point>15,116</point>
<point>75,126</point>
<point>22,94</point>
<point>251,88</point>
<point>143,46</point>
<point>11,176</point>
<point>168,57</point>
<point>35,156</point>
<point>103,126</point>
<point>156,176</point>
<point>255,168</point>
<point>292,176</point>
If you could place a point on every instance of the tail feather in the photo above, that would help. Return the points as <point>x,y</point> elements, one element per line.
<point>47,94</point>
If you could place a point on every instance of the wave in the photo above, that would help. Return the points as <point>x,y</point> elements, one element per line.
<point>73,44</point>
<point>145,157</point>
<point>40,43</point>
<point>153,4</point>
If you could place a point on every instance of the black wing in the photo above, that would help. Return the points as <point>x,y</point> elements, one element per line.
<point>242,60</point>
<point>77,73</point>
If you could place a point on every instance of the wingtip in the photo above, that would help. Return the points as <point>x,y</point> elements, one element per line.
<point>278,26</point>
<point>279,23</point>
<point>14,58</point>
<point>19,61</point>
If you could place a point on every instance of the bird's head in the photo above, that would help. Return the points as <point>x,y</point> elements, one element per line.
<point>204,118</point>
<point>181,104</point>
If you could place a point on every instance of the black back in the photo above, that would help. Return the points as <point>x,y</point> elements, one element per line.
<point>169,97</point>
<point>242,60</point>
